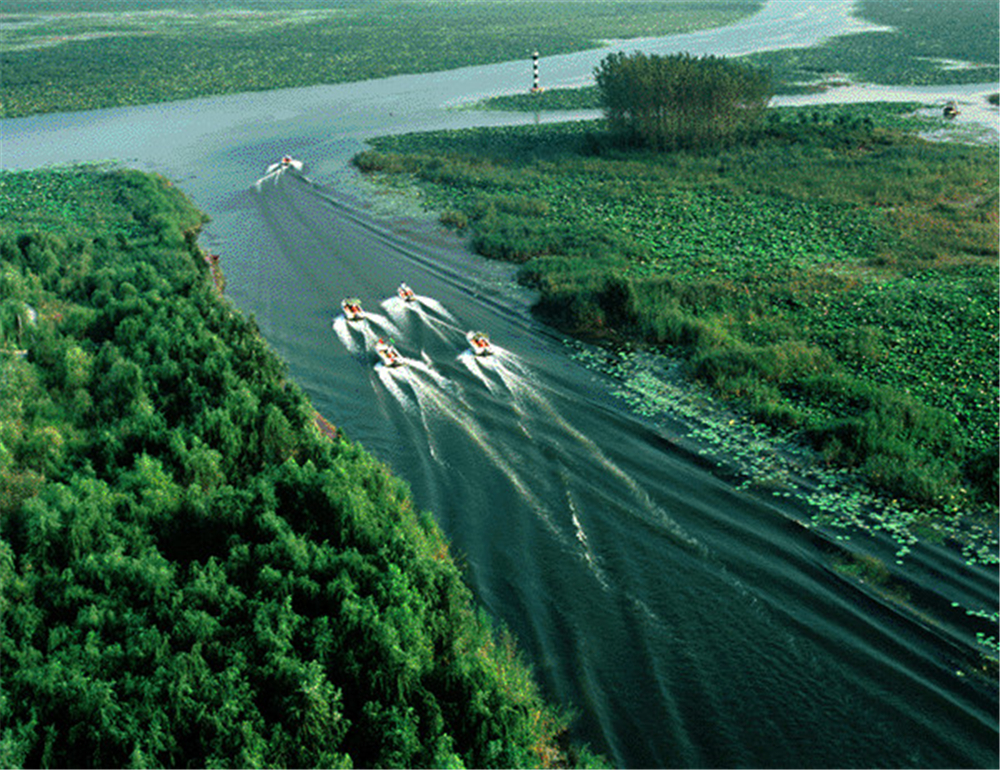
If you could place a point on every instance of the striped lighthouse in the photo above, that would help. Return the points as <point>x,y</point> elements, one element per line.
<point>534,68</point>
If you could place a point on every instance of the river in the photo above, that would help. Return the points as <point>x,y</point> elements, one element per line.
<point>686,620</point>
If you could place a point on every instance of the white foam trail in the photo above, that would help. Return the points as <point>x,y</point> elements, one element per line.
<point>369,335</point>
<point>445,329</point>
<point>395,307</point>
<point>517,385</point>
<point>344,330</point>
<point>431,400</point>
<point>270,176</point>
<point>588,553</point>
<point>426,366</point>
<point>468,359</point>
<point>382,322</point>
<point>513,362</point>
<point>522,388</point>
<point>388,377</point>
<point>437,307</point>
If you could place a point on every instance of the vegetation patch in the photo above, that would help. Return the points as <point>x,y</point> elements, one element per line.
<point>925,43</point>
<point>59,57</point>
<point>191,572</point>
<point>928,43</point>
<point>833,274</point>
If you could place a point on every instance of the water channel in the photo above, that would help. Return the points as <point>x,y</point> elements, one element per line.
<point>686,621</point>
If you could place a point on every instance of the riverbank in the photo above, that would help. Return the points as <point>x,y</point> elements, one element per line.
<point>904,46</point>
<point>774,285</point>
<point>192,570</point>
<point>59,61</point>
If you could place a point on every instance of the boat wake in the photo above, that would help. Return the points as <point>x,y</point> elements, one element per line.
<point>277,170</point>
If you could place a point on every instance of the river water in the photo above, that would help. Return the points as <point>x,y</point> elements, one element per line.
<point>685,620</point>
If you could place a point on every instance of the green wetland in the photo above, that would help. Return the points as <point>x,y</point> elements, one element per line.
<point>58,57</point>
<point>837,277</point>
<point>675,519</point>
<point>916,44</point>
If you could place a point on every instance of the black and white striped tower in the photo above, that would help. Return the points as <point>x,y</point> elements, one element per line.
<point>534,66</point>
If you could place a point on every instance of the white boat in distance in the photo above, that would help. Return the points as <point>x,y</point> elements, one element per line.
<point>286,162</point>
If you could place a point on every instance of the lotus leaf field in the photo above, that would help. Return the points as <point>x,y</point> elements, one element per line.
<point>835,277</point>
<point>919,44</point>
<point>59,57</point>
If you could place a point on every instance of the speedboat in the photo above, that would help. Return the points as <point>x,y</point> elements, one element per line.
<point>406,293</point>
<point>480,343</point>
<point>286,162</point>
<point>352,309</point>
<point>388,354</point>
<point>950,110</point>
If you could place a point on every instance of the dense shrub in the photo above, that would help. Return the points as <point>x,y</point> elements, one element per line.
<point>681,100</point>
<point>191,574</point>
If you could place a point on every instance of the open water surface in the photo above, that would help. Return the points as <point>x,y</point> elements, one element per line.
<point>687,622</point>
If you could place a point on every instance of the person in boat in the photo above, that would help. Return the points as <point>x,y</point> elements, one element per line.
<point>480,343</point>
<point>352,308</point>
<point>388,352</point>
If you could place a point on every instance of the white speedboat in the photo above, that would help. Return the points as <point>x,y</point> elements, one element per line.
<point>388,354</point>
<point>480,343</point>
<point>406,293</point>
<point>352,309</point>
<point>286,162</point>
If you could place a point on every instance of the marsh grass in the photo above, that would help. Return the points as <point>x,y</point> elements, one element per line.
<point>76,56</point>
<point>833,274</point>
<point>923,42</point>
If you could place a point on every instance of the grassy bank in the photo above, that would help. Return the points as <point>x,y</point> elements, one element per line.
<point>836,277</point>
<point>924,43</point>
<point>191,574</point>
<point>58,58</point>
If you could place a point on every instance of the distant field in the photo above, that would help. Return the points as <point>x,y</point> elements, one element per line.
<point>60,57</point>
<point>931,43</point>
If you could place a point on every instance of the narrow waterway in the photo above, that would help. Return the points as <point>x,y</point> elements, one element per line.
<point>686,622</point>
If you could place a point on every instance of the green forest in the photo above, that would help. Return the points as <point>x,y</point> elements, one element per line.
<point>191,573</point>
<point>832,275</point>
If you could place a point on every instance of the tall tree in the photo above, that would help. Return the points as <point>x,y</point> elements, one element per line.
<point>680,100</point>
